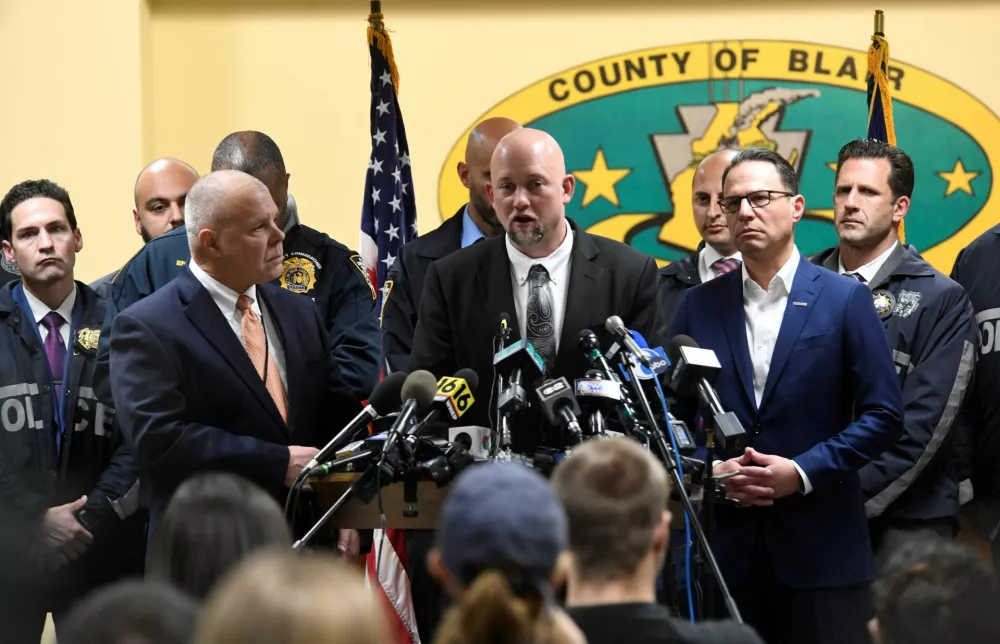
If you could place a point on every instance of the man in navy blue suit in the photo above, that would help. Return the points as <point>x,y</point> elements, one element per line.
<point>221,370</point>
<point>808,371</point>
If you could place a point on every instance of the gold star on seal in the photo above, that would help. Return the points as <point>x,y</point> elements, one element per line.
<point>600,180</point>
<point>958,179</point>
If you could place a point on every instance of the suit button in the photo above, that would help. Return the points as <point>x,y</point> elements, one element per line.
<point>756,428</point>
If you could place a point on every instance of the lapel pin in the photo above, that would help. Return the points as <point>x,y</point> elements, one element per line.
<point>799,304</point>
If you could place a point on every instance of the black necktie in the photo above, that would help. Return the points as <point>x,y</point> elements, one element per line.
<point>857,276</point>
<point>540,328</point>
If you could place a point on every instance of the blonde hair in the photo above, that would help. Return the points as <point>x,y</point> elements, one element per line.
<point>489,611</point>
<point>279,596</point>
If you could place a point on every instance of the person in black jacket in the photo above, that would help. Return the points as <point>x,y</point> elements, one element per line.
<point>911,490</point>
<point>69,490</point>
<point>716,254</point>
<point>473,222</point>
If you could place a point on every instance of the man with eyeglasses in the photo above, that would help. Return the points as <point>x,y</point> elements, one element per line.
<point>911,489</point>
<point>809,374</point>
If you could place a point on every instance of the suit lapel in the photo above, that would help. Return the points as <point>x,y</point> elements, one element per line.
<point>205,315</point>
<point>801,302</point>
<point>734,320</point>
<point>494,283</point>
<point>585,279</point>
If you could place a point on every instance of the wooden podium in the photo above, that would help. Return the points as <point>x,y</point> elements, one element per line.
<point>365,516</point>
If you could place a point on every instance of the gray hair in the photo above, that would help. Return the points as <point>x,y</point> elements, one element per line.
<point>206,200</point>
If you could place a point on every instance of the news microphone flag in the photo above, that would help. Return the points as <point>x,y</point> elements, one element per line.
<point>388,220</point>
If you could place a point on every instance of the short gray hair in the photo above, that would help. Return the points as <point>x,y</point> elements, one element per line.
<point>203,206</point>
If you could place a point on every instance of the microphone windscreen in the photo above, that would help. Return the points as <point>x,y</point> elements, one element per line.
<point>470,377</point>
<point>387,396</point>
<point>613,324</point>
<point>421,386</point>
<point>678,341</point>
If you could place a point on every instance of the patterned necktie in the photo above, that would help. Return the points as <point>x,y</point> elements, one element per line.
<point>540,328</point>
<point>723,266</point>
<point>255,342</point>
<point>55,350</point>
<point>857,276</point>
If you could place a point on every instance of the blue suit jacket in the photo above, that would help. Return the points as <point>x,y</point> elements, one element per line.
<point>192,400</point>
<point>831,403</point>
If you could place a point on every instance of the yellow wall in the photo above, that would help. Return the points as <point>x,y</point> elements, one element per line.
<point>113,83</point>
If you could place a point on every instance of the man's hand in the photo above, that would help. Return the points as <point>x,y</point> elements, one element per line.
<point>298,457</point>
<point>752,486</point>
<point>784,477</point>
<point>349,545</point>
<point>65,538</point>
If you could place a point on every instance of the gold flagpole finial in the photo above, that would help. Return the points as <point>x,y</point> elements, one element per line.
<point>879,22</point>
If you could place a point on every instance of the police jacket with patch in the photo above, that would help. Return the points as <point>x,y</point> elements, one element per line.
<point>929,323</point>
<point>91,457</point>
<point>315,265</point>
<point>406,283</point>
<point>977,268</point>
<point>675,278</point>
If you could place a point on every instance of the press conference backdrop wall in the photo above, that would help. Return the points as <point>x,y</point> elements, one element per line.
<point>634,91</point>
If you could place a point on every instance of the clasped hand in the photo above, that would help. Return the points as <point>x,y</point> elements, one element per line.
<point>762,478</point>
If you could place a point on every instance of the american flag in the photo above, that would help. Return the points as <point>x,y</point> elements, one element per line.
<point>389,214</point>
<point>388,220</point>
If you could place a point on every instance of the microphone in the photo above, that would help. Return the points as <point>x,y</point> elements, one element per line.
<point>454,396</point>
<point>385,398</point>
<point>590,346</point>
<point>599,397</point>
<point>504,327</point>
<point>615,326</point>
<point>695,369</point>
<point>560,405</point>
<point>520,363</point>
<point>417,393</point>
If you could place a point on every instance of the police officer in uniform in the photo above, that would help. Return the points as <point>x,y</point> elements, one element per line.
<point>911,489</point>
<point>716,254</point>
<point>69,491</point>
<point>316,266</point>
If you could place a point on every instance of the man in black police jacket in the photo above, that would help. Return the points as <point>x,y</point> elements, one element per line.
<point>473,222</point>
<point>551,277</point>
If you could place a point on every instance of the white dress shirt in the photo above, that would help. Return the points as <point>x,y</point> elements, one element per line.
<point>39,310</point>
<point>871,269</point>
<point>709,256</point>
<point>558,265</point>
<point>763,313</point>
<point>225,298</point>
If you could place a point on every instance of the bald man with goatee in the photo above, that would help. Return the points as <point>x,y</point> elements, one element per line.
<point>716,254</point>
<point>475,221</point>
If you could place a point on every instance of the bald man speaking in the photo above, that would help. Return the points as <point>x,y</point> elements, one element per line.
<point>475,221</point>
<point>551,276</point>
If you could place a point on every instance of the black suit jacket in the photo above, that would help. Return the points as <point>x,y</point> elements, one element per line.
<point>400,308</point>
<point>466,293</point>
<point>192,401</point>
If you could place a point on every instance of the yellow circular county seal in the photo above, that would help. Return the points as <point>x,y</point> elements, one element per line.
<point>299,275</point>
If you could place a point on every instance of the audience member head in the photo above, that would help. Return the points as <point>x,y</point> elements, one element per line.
<point>132,612</point>
<point>760,196</point>
<point>615,496</point>
<point>281,596</point>
<point>529,189</point>
<point>934,591</point>
<point>232,229</point>
<point>500,534</point>
<point>706,190</point>
<point>160,191</point>
<point>212,522</point>
<point>474,171</point>
<point>256,154</point>
<point>40,236</point>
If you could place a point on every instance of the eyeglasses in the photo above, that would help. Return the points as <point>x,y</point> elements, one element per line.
<point>757,199</point>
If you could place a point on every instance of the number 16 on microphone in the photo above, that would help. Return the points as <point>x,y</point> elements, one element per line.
<point>456,394</point>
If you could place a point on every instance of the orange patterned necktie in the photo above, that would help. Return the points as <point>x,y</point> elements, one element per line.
<point>256,346</point>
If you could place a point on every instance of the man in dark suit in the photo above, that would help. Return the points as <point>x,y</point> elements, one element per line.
<point>553,278</point>
<point>219,369</point>
<point>808,371</point>
<point>716,254</point>
<point>473,222</point>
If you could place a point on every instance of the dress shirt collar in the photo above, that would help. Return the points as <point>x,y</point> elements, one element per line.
<point>784,276</point>
<point>521,263</point>
<point>709,255</point>
<point>869,270</point>
<point>223,296</point>
<point>39,309</point>
<point>470,231</point>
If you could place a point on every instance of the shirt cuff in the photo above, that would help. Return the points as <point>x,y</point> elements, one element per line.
<point>806,485</point>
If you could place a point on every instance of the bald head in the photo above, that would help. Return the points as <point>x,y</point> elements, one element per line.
<point>160,191</point>
<point>706,189</point>
<point>474,171</point>
<point>529,189</point>
<point>256,154</point>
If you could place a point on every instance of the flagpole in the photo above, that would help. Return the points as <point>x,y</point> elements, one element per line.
<point>375,17</point>
<point>879,20</point>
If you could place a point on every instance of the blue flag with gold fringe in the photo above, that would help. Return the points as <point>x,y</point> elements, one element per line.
<point>880,124</point>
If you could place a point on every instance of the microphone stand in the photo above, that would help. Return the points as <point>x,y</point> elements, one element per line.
<point>364,479</point>
<point>629,362</point>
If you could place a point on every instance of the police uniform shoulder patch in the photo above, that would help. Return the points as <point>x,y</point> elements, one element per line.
<point>10,267</point>
<point>86,340</point>
<point>884,302</point>
<point>908,302</point>
<point>299,274</point>
<point>360,265</point>
<point>386,289</point>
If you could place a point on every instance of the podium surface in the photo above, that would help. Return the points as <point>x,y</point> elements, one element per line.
<point>365,516</point>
